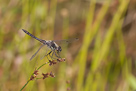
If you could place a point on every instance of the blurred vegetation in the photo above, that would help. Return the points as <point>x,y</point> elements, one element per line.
<point>104,58</point>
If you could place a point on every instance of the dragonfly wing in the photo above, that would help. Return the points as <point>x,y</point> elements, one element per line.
<point>46,51</point>
<point>36,52</point>
<point>67,41</point>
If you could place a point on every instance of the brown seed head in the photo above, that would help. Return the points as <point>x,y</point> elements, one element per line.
<point>32,77</point>
<point>45,75</point>
<point>51,74</point>
<point>61,59</point>
<point>52,62</point>
<point>35,72</point>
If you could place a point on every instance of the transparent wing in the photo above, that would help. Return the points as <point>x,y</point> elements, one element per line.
<point>36,52</point>
<point>45,53</point>
<point>67,41</point>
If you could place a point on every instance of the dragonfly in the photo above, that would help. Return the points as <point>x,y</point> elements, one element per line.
<point>51,44</point>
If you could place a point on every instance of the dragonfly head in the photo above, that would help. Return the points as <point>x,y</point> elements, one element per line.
<point>59,49</point>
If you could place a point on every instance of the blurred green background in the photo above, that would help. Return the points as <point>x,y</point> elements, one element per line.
<point>104,58</point>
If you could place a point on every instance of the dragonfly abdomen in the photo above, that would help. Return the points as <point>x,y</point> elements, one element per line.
<point>32,35</point>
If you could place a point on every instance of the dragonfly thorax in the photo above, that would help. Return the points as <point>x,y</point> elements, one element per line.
<point>53,46</point>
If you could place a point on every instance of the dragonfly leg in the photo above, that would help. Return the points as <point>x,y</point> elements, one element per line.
<point>57,55</point>
<point>47,55</point>
<point>52,55</point>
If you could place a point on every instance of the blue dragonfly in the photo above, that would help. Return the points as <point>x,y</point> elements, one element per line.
<point>55,49</point>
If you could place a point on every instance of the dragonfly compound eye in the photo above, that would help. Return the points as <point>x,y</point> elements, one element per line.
<point>59,49</point>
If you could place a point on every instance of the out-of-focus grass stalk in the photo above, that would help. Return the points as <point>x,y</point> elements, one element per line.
<point>106,44</point>
<point>86,41</point>
<point>94,29</point>
<point>62,67</point>
<point>126,72</point>
<point>25,43</point>
<point>25,12</point>
<point>99,83</point>
<point>132,81</point>
<point>89,35</point>
<point>51,16</point>
<point>1,38</point>
<point>122,51</point>
<point>129,78</point>
<point>123,60</point>
<point>65,32</point>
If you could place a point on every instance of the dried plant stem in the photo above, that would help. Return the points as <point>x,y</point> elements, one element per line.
<point>31,75</point>
<point>42,65</point>
<point>24,85</point>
